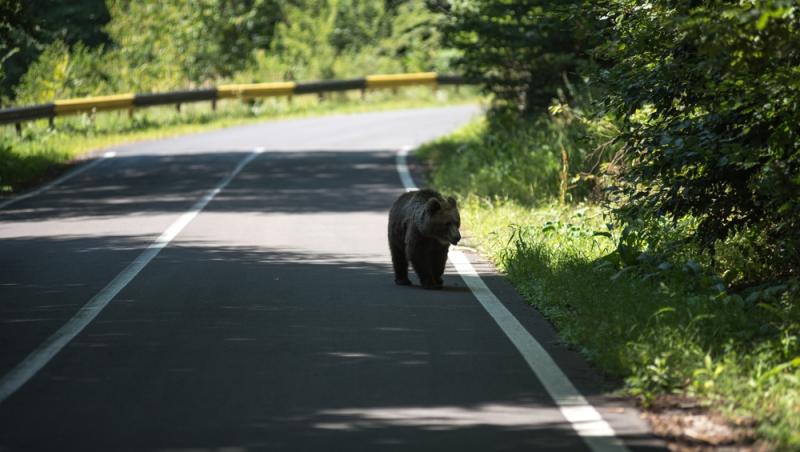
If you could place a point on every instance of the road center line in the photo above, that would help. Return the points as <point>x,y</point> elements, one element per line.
<point>585,419</point>
<point>83,168</point>
<point>35,361</point>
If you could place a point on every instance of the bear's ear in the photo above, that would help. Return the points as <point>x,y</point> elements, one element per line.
<point>432,205</point>
<point>452,202</point>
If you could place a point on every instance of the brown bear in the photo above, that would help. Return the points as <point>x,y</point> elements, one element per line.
<point>422,225</point>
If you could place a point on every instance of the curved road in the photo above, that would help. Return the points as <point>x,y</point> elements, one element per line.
<point>236,294</point>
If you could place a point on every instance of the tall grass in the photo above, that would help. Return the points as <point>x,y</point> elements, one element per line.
<point>530,159</point>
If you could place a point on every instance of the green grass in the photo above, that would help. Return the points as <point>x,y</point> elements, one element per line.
<point>663,325</point>
<point>41,152</point>
<point>488,167</point>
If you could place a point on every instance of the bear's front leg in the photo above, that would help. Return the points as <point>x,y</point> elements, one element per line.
<point>422,266</point>
<point>438,262</point>
<point>399,263</point>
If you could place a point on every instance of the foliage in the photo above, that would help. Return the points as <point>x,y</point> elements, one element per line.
<point>27,27</point>
<point>61,72</point>
<point>308,41</point>
<point>703,102</point>
<point>349,38</point>
<point>530,159</point>
<point>180,44</point>
<point>416,40</point>
<point>707,96</point>
<point>519,50</point>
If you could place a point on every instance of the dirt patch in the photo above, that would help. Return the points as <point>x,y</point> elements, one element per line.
<point>686,425</point>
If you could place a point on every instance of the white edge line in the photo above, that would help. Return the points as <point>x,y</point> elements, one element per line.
<point>58,181</point>
<point>585,419</point>
<point>37,359</point>
<point>402,168</point>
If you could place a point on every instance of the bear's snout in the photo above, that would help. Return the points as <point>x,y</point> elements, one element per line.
<point>455,238</point>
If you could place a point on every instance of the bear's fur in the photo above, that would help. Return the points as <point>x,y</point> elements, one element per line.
<point>422,225</point>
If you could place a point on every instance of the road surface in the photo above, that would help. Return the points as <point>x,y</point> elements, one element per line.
<point>236,294</point>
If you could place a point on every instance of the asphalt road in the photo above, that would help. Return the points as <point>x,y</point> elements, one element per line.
<point>270,321</point>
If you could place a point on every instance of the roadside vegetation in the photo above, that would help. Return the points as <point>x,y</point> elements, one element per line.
<point>644,196</point>
<point>53,50</point>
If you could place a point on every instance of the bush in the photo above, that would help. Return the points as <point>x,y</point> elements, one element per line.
<point>709,105</point>
<point>61,72</point>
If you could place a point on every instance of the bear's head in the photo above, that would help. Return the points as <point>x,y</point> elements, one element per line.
<point>441,221</point>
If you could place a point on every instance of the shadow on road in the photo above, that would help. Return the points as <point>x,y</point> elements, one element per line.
<point>259,349</point>
<point>277,182</point>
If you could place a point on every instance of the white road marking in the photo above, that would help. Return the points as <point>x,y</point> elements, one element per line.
<point>402,168</point>
<point>35,361</point>
<point>585,419</point>
<point>58,181</point>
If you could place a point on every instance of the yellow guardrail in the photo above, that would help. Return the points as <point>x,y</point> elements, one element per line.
<point>396,80</point>
<point>116,102</point>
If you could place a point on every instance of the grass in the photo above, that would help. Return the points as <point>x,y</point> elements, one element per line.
<point>41,152</point>
<point>664,325</point>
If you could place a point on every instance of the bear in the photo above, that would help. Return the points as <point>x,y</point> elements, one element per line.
<point>422,225</point>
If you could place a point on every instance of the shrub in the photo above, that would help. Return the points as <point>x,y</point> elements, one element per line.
<point>709,105</point>
<point>61,72</point>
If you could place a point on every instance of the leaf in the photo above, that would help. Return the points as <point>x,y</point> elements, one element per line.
<point>769,308</point>
<point>779,368</point>
<point>662,311</point>
<point>762,21</point>
<point>602,265</point>
<point>618,274</point>
<point>693,267</point>
<point>753,297</point>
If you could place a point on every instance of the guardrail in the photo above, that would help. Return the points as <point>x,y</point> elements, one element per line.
<point>17,115</point>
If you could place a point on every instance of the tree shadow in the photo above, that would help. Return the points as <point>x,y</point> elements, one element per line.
<point>278,349</point>
<point>275,182</point>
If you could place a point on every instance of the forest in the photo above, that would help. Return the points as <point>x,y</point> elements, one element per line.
<point>647,150</point>
<point>51,49</point>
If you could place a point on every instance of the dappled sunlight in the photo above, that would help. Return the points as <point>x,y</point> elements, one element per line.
<point>441,418</point>
<point>307,181</point>
<point>395,357</point>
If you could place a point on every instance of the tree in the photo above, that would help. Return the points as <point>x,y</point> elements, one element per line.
<point>519,49</point>
<point>27,27</point>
